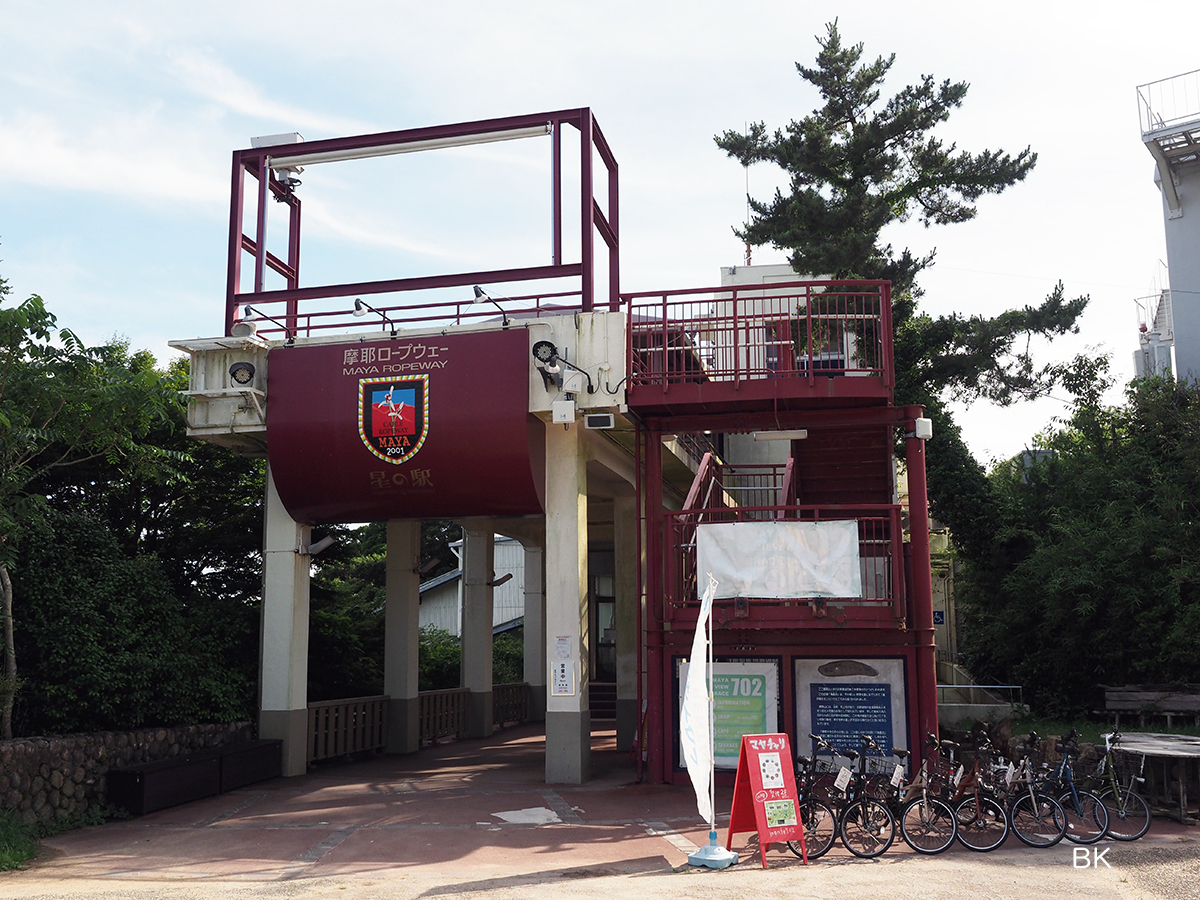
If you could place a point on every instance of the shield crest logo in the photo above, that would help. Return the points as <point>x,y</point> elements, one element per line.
<point>393,416</point>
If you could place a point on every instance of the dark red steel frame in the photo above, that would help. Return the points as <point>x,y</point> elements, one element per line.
<point>593,220</point>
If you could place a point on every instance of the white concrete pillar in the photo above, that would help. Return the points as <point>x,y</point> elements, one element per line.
<point>478,561</point>
<point>626,560</point>
<point>401,636</point>
<point>535,630</point>
<point>568,718</point>
<point>283,656</point>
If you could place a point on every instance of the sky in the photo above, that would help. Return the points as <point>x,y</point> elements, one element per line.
<point>117,120</point>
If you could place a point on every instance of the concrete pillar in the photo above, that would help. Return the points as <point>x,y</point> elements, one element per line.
<point>626,561</point>
<point>535,630</point>
<point>283,656</point>
<point>568,719</point>
<point>401,636</point>
<point>478,561</point>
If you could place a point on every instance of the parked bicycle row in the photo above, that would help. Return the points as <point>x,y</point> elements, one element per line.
<point>976,804</point>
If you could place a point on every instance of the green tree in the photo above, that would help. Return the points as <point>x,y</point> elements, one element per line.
<point>61,404</point>
<point>1092,576</point>
<point>105,642</point>
<point>200,518</point>
<point>858,164</point>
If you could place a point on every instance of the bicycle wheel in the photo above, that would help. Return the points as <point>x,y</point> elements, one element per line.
<point>1086,822</point>
<point>982,826</point>
<point>928,825</point>
<point>867,828</point>
<point>820,828</point>
<point>1129,817</point>
<point>1038,820</point>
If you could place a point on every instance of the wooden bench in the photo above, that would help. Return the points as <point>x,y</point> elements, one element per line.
<point>1145,700</point>
<point>147,787</point>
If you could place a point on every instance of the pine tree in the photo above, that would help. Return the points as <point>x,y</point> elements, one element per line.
<point>858,164</point>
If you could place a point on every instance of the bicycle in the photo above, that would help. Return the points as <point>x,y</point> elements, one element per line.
<point>1128,813</point>
<point>864,824</point>
<point>927,823</point>
<point>982,819</point>
<point>818,819</point>
<point>1035,817</point>
<point>1086,815</point>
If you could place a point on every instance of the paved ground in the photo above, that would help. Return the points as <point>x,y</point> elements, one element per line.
<point>474,819</point>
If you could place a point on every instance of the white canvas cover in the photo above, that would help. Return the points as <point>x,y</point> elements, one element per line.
<point>781,560</point>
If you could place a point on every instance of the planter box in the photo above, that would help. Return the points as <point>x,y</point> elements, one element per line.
<point>166,782</point>
<point>156,785</point>
<point>243,764</point>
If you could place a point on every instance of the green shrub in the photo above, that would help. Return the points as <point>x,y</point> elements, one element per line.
<point>508,658</point>
<point>18,841</point>
<point>439,660</point>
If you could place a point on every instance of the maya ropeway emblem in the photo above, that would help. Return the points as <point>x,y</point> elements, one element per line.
<point>393,416</point>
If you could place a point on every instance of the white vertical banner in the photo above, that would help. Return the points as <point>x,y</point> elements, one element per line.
<point>695,725</point>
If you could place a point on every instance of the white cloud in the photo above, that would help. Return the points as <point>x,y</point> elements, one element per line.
<point>131,157</point>
<point>207,77</point>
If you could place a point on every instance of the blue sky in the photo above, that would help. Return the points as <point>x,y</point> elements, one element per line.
<point>117,120</point>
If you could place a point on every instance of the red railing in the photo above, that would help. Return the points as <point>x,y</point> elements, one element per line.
<point>744,493</point>
<point>755,332</point>
<point>880,546</point>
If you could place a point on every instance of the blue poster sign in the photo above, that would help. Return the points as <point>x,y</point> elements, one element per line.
<point>841,712</point>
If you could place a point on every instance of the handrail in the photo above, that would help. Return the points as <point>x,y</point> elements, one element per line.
<point>703,474</point>
<point>737,333</point>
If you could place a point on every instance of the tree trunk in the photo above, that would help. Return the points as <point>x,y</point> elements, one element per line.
<point>10,657</point>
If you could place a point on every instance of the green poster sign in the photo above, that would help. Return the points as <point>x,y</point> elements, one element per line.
<point>745,701</point>
<point>739,707</point>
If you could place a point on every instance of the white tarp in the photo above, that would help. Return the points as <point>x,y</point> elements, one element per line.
<point>781,560</point>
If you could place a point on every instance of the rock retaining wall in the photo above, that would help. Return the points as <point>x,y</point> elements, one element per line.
<point>62,777</point>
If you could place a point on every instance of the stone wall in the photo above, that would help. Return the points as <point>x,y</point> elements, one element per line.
<point>61,777</point>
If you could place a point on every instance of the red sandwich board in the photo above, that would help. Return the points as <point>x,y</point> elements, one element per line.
<point>764,794</point>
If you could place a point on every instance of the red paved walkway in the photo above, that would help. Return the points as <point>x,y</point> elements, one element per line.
<point>432,815</point>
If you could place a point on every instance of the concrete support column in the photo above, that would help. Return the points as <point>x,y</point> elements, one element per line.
<point>535,630</point>
<point>568,718</point>
<point>626,559</point>
<point>283,656</point>
<point>478,561</point>
<point>401,636</point>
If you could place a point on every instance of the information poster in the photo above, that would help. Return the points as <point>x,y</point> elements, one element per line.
<point>842,712</point>
<point>562,678</point>
<point>839,699</point>
<point>745,701</point>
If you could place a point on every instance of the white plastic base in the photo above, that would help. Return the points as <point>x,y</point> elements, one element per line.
<point>713,856</point>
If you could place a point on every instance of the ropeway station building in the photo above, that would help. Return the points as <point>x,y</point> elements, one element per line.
<point>633,443</point>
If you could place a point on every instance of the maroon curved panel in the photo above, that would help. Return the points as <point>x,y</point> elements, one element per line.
<point>406,428</point>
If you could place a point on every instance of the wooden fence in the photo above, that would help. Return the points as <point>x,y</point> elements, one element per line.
<point>443,714</point>
<point>510,702</point>
<point>339,727</point>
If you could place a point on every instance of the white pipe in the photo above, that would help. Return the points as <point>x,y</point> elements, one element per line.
<point>487,137</point>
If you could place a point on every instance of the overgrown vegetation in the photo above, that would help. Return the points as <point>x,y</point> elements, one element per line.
<point>18,841</point>
<point>1093,576</point>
